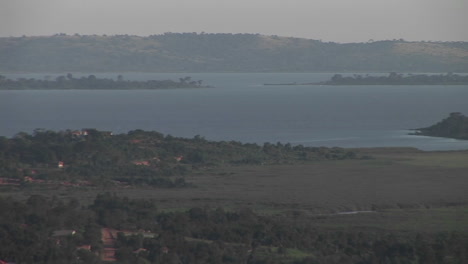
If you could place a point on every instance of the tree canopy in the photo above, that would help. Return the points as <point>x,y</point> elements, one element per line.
<point>399,79</point>
<point>90,82</point>
<point>454,126</point>
<point>90,156</point>
<point>51,230</point>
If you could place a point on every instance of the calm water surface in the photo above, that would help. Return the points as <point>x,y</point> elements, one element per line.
<point>241,108</point>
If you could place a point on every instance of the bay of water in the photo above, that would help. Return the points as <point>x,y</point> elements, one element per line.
<point>239,107</point>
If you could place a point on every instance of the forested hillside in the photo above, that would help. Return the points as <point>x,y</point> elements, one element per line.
<point>91,157</point>
<point>191,52</point>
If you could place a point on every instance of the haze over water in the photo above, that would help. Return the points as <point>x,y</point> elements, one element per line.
<point>241,108</point>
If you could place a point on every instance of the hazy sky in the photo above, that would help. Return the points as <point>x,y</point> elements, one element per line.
<point>328,20</point>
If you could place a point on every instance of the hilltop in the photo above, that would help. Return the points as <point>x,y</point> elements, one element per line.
<point>191,52</point>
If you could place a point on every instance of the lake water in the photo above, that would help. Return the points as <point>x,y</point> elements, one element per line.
<point>241,108</point>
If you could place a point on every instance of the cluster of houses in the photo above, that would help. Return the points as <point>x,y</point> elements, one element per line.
<point>85,132</point>
<point>28,177</point>
<point>109,236</point>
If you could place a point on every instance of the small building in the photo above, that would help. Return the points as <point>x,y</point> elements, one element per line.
<point>60,164</point>
<point>63,233</point>
<point>142,163</point>
<point>28,179</point>
<point>109,254</point>
<point>79,133</point>
<point>138,251</point>
<point>164,250</point>
<point>85,247</point>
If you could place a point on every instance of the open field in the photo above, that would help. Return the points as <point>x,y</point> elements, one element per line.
<point>410,156</point>
<point>394,178</point>
<point>448,219</point>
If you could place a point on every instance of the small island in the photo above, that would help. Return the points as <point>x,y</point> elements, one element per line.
<point>91,82</point>
<point>399,79</point>
<point>392,79</point>
<point>454,126</point>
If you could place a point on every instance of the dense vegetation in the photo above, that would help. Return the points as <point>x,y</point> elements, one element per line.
<point>191,52</point>
<point>454,126</point>
<point>138,157</point>
<point>399,79</point>
<point>92,83</point>
<point>35,231</point>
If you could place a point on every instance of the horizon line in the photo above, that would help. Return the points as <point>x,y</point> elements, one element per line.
<point>225,33</point>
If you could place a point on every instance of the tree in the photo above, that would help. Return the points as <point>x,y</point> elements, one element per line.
<point>337,77</point>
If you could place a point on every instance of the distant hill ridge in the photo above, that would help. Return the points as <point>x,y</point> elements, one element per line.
<point>191,52</point>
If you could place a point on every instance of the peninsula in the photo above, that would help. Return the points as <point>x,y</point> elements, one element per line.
<point>91,82</point>
<point>92,157</point>
<point>454,126</point>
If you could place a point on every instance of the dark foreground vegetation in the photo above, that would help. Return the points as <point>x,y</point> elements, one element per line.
<point>454,126</point>
<point>122,230</point>
<point>91,157</point>
<point>90,82</point>
<point>399,79</point>
<point>88,196</point>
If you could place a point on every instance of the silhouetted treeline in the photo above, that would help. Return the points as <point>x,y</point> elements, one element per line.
<point>399,79</point>
<point>454,126</point>
<point>92,83</point>
<point>50,230</point>
<point>138,157</point>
